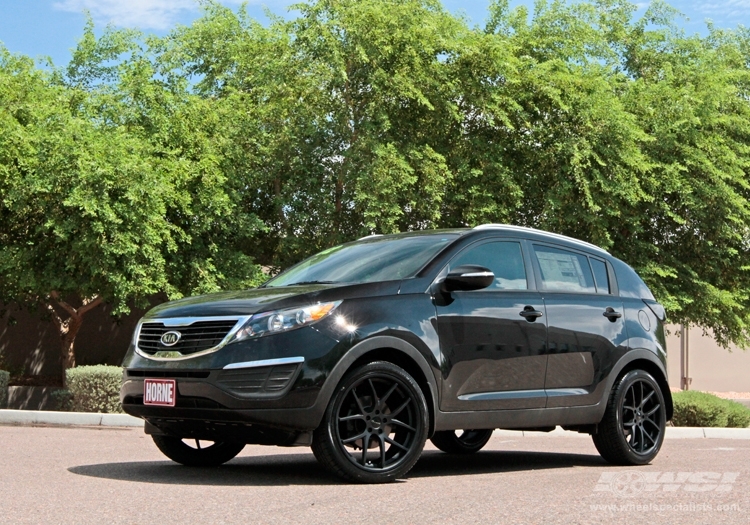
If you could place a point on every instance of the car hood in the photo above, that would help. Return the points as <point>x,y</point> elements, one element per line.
<point>247,302</point>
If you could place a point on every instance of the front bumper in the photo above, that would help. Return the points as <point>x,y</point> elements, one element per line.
<point>270,396</point>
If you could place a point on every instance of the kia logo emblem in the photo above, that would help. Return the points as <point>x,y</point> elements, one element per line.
<point>170,338</point>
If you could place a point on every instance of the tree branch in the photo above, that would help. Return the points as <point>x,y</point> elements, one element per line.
<point>56,296</point>
<point>89,304</point>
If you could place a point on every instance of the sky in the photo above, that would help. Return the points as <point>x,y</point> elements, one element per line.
<point>51,28</point>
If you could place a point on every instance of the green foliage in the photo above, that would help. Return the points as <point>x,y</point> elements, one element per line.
<point>61,400</point>
<point>180,164</point>
<point>95,388</point>
<point>700,409</point>
<point>4,378</point>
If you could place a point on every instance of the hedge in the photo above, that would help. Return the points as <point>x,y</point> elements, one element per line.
<point>700,409</point>
<point>4,378</point>
<point>95,388</point>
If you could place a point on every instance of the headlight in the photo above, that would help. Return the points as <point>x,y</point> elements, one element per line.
<point>268,323</point>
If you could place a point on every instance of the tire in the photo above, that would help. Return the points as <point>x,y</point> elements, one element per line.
<point>632,429</point>
<point>468,442</point>
<point>375,426</point>
<point>211,456</point>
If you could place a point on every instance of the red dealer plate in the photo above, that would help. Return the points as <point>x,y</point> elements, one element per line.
<point>160,392</point>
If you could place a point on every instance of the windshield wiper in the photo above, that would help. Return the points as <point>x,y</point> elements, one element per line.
<point>312,282</point>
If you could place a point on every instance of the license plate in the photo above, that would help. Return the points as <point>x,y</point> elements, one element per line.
<point>160,392</point>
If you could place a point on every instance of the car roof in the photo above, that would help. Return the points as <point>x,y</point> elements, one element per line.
<point>541,235</point>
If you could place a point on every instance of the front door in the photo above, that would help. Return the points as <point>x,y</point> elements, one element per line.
<point>493,340</point>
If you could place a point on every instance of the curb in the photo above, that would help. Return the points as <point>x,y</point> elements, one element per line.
<point>43,417</point>
<point>672,433</point>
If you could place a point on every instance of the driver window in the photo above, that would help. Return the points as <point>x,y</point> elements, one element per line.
<point>503,258</point>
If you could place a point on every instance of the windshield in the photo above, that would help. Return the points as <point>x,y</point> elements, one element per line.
<point>368,260</point>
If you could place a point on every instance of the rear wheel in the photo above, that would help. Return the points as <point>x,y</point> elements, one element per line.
<point>375,426</point>
<point>632,430</point>
<point>461,441</point>
<point>197,453</point>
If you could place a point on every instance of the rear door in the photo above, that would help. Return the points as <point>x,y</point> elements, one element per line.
<point>493,340</point>
<point>585,325</point>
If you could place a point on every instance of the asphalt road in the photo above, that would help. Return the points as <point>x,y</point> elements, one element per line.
<point>113,475</point>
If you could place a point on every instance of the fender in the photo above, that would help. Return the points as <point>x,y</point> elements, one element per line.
<point>629,357</point>
<point>363,347</point>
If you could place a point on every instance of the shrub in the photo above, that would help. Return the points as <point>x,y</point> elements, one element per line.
<point>61,400</point>
<point>699,409</point>
<point>4,377</point>
<point>95,388</point>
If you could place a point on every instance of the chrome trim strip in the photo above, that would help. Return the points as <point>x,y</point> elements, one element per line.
<point>266,362</point>
<point>187,321</point>
<point>523,394</point>
<point>554,392</point>
<point>508,394</point>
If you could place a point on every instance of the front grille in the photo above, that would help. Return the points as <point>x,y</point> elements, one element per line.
<point>263,380</point>
<point>196,337</point>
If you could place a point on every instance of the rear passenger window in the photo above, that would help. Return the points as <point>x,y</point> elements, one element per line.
<point>600,275</point>
<point>564,271</point>
<point>503,258</point>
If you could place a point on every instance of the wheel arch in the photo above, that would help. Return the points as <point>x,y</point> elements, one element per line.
<point>649,362</point>
<point>392,350</point>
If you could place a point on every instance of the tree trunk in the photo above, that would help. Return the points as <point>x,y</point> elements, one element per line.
<point>68,328</point>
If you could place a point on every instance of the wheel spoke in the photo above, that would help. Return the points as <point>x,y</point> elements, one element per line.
<point>365,445</point>
<point>652,411</point>
<point>376,401</point>
<point>388,394</point>
<point>643,401</point>
<point>356,398</point>
<point>402,424</point>
<point>197,444</point>
<point>626,407</point>
<point>352,417</point>
<point>353,439</point>
<point>394,443</point>
<point>381,444</point>
<point>399,409</point>
<point>628,424</point>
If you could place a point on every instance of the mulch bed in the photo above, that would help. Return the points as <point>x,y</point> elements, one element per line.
<point>29,380</point>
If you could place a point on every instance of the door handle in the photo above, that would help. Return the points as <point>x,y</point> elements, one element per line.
<point>611,314</point>
<point>530,314</point>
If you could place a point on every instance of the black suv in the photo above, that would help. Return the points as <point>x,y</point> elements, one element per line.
<point>367,349</point>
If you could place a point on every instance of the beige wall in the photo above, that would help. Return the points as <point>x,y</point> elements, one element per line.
<point>712,368</point>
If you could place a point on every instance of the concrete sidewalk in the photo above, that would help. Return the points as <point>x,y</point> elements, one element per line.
<point>35,417</point>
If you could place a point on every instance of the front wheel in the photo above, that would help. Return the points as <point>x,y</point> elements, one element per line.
<point>375,426</point>
<point>461,441</point>
<point>197,453</point>
<point>632,430</point>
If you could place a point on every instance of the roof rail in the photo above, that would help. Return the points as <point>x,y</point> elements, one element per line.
<point>512,227</point>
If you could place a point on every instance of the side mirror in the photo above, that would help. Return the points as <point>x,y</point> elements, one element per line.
<point>468,277</point>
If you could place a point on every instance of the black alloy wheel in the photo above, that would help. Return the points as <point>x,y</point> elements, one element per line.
<point>197,453</point>
<point>632,430</point>
<point>375,426</point>
<point>461,441</point>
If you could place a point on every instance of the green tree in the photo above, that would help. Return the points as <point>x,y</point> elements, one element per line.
<point>110,191</point>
